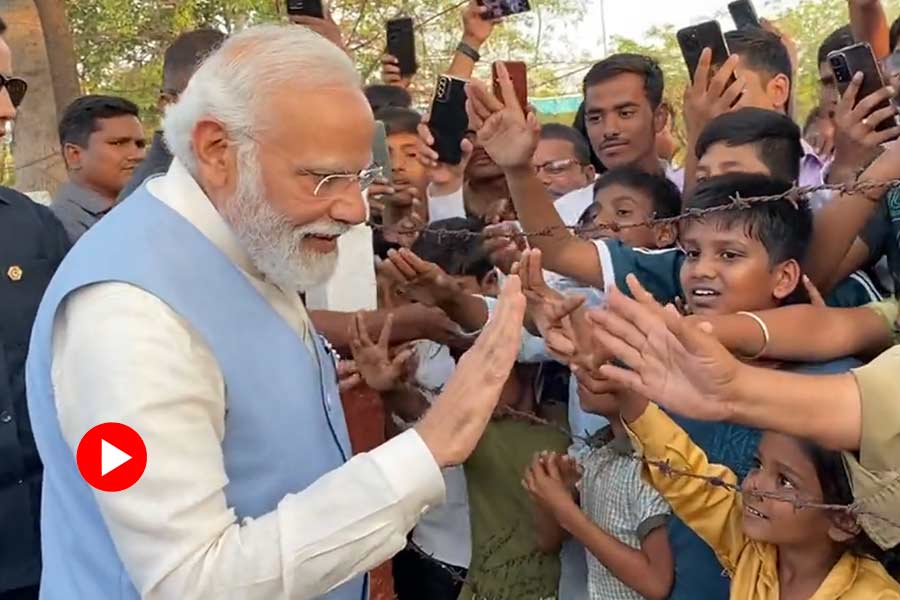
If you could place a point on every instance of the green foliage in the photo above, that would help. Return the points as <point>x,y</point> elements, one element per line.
<point>119,43</point>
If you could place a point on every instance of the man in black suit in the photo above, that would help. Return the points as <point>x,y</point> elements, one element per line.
<point>32,244</point>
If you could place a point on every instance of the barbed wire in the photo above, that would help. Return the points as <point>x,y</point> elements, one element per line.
<point>794,195</point>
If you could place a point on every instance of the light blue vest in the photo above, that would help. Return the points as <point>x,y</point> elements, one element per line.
<point>284,425</point>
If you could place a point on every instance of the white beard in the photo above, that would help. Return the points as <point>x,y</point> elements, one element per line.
<point>273,243</point>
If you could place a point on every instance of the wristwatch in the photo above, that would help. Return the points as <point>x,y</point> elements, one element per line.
<point>466,49</point>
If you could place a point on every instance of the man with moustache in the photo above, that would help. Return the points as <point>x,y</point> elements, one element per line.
<point>180,316</point>
<point>102,143</point>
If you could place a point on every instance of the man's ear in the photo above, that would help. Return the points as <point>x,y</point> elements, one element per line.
<point>660,117</point>
<point>216,159</point>
<point>786,278</point>
<point>591,173</point>
<point>72,154</point>
<point>779,92</point>
<point>665,234</point>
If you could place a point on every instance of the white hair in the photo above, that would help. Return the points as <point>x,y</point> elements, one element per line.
<point>234,82</point>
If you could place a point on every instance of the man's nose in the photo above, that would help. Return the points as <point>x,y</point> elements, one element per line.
<point>349,207</point>
<point>7,110</point>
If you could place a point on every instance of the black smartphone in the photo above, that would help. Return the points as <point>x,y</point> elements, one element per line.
<point>695,38</point>
<point>503,8</point>
<point>306,8</point>
<point>381,154</point>
<point>859,58</point>
<point>744,14</point>
<point>448,120</point>
<point>401,44</point>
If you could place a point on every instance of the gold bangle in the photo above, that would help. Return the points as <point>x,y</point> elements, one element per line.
<point>765,331</point>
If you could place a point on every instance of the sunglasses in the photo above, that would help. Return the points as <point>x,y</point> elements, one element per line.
<point>16,88</point>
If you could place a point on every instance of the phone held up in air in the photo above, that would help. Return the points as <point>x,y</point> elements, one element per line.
<point>518,73</point>
<point>498,9</point>
<point>306,8</point>
<point>859,58</point>
<point>744,14</point>
<point>381,154</point>
<point>692,40</point>
<point>401,44</point>
<point>448,120</point>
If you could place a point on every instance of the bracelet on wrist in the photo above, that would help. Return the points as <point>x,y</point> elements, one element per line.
<point>467,50</point>
<point>765,332</point>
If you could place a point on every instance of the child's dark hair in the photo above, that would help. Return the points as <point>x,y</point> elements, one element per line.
<point>382,96</point>
<point>784,227</point>
<point>774,136</point>
<point>836,489</point>
<point>399,120</point>
<point>664,194</point>
<point>457,254</point>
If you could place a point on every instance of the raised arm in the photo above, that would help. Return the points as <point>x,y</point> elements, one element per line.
<point>510,137</point>
<point>870,24</point>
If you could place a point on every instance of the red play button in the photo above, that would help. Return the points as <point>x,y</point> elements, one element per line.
<point>111,457</point>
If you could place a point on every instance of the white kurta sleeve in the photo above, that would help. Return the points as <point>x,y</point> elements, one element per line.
<point>120,354</point>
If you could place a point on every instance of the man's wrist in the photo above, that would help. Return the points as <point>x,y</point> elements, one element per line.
<point>473,42</point>
<point>519,171</point>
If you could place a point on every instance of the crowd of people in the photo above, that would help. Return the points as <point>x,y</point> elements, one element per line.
<point>603,373</point>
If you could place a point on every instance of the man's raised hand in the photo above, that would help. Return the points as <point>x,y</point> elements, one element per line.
<point>675,364</point>
<point>507,132</point>
<point>456,421</point>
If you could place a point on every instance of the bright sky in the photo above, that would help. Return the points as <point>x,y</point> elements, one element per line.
<point>632,18</point>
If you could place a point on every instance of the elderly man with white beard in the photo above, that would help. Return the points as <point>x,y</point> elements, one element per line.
<point>180,316</point>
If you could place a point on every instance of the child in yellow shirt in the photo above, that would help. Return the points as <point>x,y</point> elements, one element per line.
<point>771,548</point>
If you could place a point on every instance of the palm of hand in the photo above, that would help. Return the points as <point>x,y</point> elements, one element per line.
<point>376,368</point>
<point>691,383</point>
<point>432,287</point>
<point>508,138</point>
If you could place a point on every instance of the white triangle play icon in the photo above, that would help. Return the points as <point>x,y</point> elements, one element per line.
<point>111,458</point>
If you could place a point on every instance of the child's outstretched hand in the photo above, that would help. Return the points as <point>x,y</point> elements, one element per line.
<point>549,309</point>
<point>423,281</point>
<point>374,363</point>
<point>551,481</point>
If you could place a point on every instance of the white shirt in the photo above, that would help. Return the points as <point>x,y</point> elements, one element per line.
<point>121,354</point>
<point>444,532</point>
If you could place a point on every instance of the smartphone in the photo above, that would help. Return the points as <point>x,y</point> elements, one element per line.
<point>448,121</point>
<point>401,44</point>
<point>855,59</point>
<point>744,14</point>
<point>518,73</point>
<point>503,8</point>
<point>306,8</point>
<point>695,38</point>
<point>381,155</point>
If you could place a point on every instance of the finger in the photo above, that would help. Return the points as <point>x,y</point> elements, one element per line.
<point>485,97</point>
<point>400,260</point>
<point>612,334</point>
<point>535,272</point>
<point>848,99</point>
<point>868,104</point>
<point>733,93</point>
<point>559,344</point>
<point>403,357</point>
<point>815,297</point>
<point>507,89</point>
<point>350,382</point>
<point>570,303</point>
<point>476,123</point>
<point>390,69</point>
<point>363,330</point>
<point>388,59</point>
<point>881,115</point>
<point>385,337</point>
<point>629,379</point>
<point>418,265</point>
<point>389,270</point>
<point>721,79</point>
<point>479,102</point>
<point>701,73</point>
<point>880,137</point>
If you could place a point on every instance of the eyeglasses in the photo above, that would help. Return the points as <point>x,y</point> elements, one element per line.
<point>329,185</point>
<point>16,88</point>
<point>556,167</point>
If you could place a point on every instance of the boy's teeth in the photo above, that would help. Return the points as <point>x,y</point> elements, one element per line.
<point>755,512</point>
<point>704,292</point>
